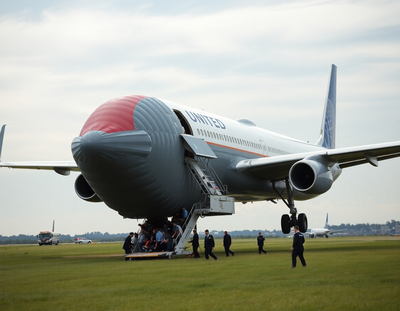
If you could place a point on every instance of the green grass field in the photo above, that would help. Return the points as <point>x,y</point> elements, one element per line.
<point>342,273</point>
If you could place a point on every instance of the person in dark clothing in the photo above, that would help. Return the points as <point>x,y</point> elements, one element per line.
<point>209,245</point>
<point>166,243</point>
<point>128,244</point>
<point>260,243</point>
<point>195,244</point>
<point>227,244</point>
<point>298,248</point>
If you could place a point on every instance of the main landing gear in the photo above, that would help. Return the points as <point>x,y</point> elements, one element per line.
<point>288,221</point>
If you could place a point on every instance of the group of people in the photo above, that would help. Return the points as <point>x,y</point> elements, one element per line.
<point>297,246</point>
<point>209,244</point>
<point>156,235</point>
<point>163,235</point>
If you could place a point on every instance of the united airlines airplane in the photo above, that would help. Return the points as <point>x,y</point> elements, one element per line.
<point>133,154</point>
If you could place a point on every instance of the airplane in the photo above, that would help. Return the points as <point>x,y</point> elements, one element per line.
<point>133,153</point>
<point>321,232</point>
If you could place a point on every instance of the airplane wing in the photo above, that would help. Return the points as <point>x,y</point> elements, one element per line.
<point>277,168</point>
<point>60,167</point>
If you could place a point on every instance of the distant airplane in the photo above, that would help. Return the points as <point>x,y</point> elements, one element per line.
<point>147,157</point>
<point>322,232</point>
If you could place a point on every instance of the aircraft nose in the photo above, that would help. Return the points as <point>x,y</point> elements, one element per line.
<point>98,146</point>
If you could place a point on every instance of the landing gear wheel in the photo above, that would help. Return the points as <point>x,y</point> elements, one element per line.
<point>302,222</point>
<point>285,223</point>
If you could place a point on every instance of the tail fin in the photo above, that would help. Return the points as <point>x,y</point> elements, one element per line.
<point>326,222</point>
<point>3,128</point>
<point>328,127</point>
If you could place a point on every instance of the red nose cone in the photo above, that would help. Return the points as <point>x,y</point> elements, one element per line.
<point>116,115</point>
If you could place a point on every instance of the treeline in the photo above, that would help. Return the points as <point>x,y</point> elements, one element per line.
<point>64,238</point>
<point>368,229</point>
<point>348,229</point>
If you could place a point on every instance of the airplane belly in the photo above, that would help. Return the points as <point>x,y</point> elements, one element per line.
<point>243,187</point>
<point>138,170</point>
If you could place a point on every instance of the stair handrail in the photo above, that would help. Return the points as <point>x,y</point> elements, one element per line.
<point>204,188</point>
<point>206,163</point>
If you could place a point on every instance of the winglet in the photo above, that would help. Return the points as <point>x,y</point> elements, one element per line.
<point>3,128</point>
<point>328,126</point>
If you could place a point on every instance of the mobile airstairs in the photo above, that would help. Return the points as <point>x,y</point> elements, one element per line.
<point>216,200</point>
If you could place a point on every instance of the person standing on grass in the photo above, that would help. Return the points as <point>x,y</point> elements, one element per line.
<point>298,248</point>
<point>260,243</point>
<point>227,243</point>
<point>195,244</point>
<point>209,245</point>
<point>128,244</point>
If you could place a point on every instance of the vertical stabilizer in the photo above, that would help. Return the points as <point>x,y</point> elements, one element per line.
<point>3,128</point>
<point>326,222</point>
<point>53,225</point>
<point>328,127</point>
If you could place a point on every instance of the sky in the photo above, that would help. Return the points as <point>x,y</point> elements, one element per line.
<point>267,61</point>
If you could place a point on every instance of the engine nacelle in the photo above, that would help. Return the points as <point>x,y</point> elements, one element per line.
<point>84,191</point>
<point>311,176</point>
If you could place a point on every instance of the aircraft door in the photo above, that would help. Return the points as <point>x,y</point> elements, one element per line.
<point>185,124</point>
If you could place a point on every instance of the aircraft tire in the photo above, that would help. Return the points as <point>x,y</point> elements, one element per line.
<point>285,223</point>
<point>302,222</point>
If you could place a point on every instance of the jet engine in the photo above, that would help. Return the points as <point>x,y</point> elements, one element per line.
<point>84,191</point>
<point>311,176</point>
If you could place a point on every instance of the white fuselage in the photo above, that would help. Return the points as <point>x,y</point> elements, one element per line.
<point>320,232</point>
<point>244,136</point>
